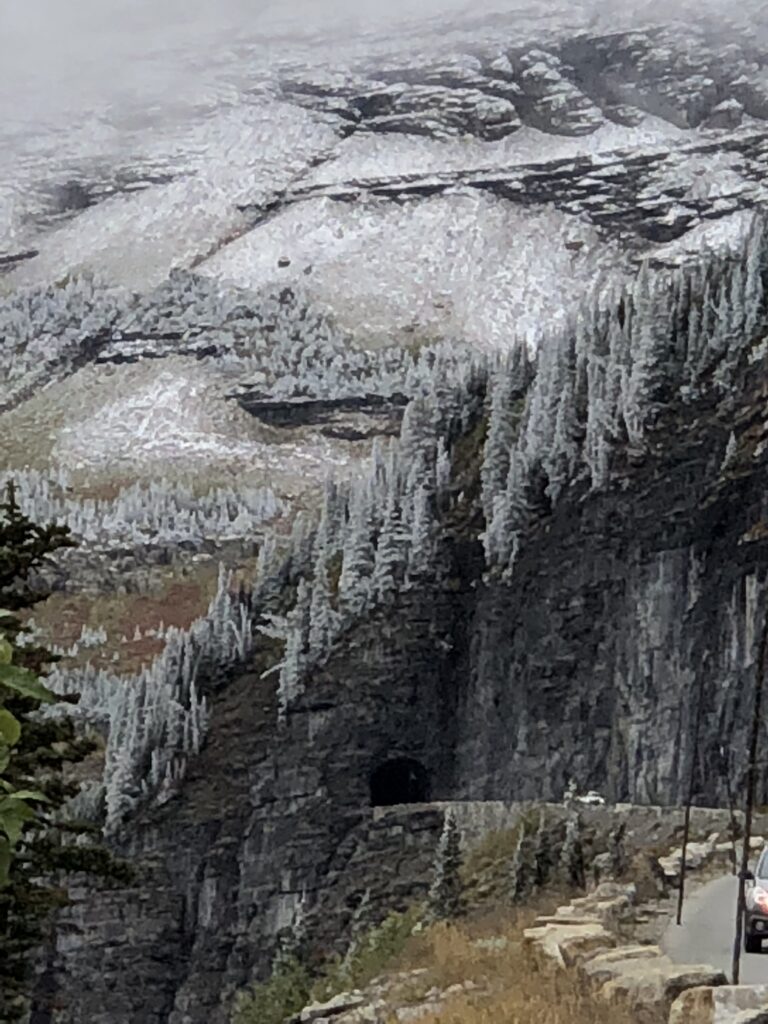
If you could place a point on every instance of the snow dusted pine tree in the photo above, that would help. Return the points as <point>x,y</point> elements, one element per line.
<point>421,561</point>
<point>444,899</point>
<point>417,433</point>
<point>510,517</point>
<point>563,457</point>
<point>572,855</point>
<point>442,471</point>
<point>296,641</point>
<point>502,423</point>
<point>756,264</point>
<point>390,555</point>
<point>647,351</point>
<point>730,453</point>
<point>323,621</point>
<point>358,557</point>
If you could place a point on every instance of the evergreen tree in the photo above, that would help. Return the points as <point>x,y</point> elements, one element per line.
<point>37,842</point>
<point>563,456</point>
<point>358,557</point>
<point>572,854</point>
<point>617,850</point>
<point>296,642</point>
<point>650,341</point>
<point>730,452</point>
<point>756,260</point>
<point>417,433</point>
<point>523,880</point>
<point>390,555</point>
<point>445,899</point>
<point>544,860</point>
<point>322,616</point>
<point>499,440</point>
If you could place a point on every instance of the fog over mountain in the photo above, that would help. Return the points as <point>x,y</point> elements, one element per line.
<point>58,59</point>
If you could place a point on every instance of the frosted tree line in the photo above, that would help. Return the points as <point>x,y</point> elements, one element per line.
<point>376,536</point>
<point>156,719</point>
<point>160,511</point>
<point>566,417</point>
<point>42,324</point>
<point>599,385</point>
<point>278,344</point>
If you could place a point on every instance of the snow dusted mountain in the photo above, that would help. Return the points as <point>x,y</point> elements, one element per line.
<point>460,176</point>
<point>370,307</point>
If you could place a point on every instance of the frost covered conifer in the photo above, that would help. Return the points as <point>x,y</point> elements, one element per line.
<point>543,854</point>
<point>499,440</point>
<point>358,558</point>
<point>323,623</point>
<point>445,897</point>
<point>391,551</point>
<point>730,452</point>
<point>417,433</point>
<point>422,545</point>
<point>756,264</point>
<point>296,643</point>
<point>572,854</point>
<point>442,469</point>
<point>510,517</point>
<point>648,351</point>
<point>563,456</point>
<point>523,866</point>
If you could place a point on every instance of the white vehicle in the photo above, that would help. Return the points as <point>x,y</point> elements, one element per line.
<point>591,799</point>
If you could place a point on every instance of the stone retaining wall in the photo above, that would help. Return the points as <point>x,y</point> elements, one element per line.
<point>589,935</point>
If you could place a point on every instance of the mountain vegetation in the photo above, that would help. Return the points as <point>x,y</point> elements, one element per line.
<point>40,844</point>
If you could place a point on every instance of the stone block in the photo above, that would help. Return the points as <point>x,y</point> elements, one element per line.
<point>564,944</point>
<point>613,962</point>
<point>342,1003</point>
<point>651,986</point>
<point>721,1005</point>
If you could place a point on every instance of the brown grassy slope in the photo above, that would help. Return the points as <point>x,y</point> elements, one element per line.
<point>511,988</point>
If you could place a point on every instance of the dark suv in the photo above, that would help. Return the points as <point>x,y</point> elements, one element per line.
<point>756,910</point>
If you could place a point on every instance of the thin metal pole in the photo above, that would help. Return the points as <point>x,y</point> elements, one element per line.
<point>689,800</point>
<point>734,825</point>
<point>750,799</point>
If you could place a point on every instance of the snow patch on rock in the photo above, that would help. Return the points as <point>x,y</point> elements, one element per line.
<point>463,265</point>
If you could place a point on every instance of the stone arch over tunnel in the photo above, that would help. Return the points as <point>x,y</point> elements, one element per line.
<point>400,780</point>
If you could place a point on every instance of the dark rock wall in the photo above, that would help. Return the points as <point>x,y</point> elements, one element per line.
<point>624,609</point>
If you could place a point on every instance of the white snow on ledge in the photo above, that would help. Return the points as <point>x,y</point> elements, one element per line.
<point>170,417</point>
<point>375,156</point>
<point>464,265</point>
<point>135,240</point>
<point>148,420</point>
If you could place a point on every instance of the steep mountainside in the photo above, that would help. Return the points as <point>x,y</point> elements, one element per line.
<point>448,350</point>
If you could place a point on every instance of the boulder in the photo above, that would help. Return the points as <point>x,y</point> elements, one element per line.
<point>652,985</point>
<point>722,1005</point>
<point>728,114</point>
<point>613,962</point>
<point>568,943</point>
<point>340,1004</point>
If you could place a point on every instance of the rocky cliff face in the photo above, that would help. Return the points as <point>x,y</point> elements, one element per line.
<point>634,607</point>
<point>627,608</point>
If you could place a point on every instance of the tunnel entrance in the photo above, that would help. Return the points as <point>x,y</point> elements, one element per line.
<point>399,781</point>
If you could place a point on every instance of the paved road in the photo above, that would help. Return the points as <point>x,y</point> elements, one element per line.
<point>706,934</point>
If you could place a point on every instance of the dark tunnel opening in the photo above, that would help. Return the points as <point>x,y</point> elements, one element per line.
<point>402,780</point>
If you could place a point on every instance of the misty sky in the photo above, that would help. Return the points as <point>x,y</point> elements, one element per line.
<point>60,59</point>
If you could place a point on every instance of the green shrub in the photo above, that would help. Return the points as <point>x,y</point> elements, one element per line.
<point>371,955</point>
<point>273,1001</point>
